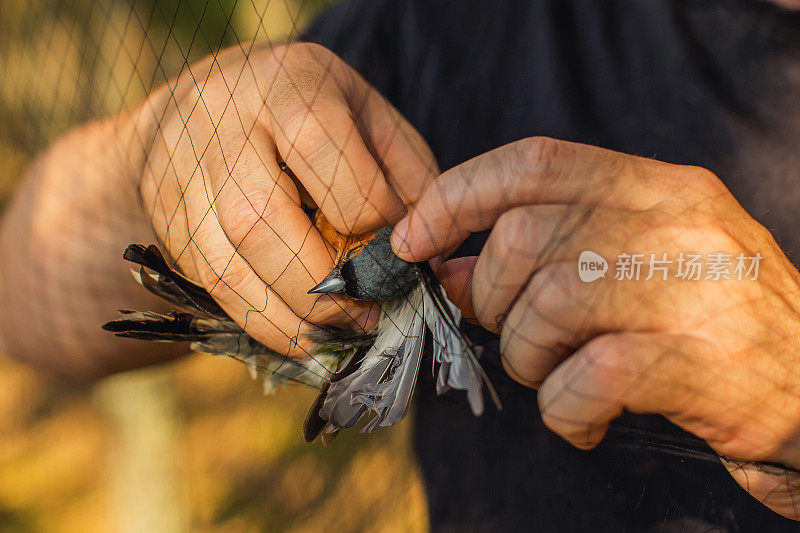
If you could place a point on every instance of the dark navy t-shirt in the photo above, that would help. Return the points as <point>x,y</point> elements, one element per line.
<point>714,83</point>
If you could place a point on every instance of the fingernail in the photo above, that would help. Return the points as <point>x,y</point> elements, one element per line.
<point>400,237</point>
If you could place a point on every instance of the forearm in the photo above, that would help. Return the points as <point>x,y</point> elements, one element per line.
<point>61,240</point>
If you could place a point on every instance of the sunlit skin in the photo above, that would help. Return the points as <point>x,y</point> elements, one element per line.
<point>719,358</point>
<point>258,253</point>
<point>254,249</point>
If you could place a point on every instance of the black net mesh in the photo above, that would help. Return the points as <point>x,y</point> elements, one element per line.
<point>259,163</point>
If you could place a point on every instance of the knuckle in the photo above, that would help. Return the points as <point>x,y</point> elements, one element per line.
<point>550,287</point>
<point>275,219</point>
<point>546,297</point>
<point>295,82</point>
<point>609,358</point>
<point>541,299</point>
<point>697,181</point>
<point>220,274</point>
<point>301,124</point>
<point>317,137</point>
<point>240,215</point>
<point>538,155</point>
<point>762,236</point>
<point>704,178</point>
<point>522,233</point>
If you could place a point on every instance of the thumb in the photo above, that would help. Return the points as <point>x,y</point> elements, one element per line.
<point>455,276</point>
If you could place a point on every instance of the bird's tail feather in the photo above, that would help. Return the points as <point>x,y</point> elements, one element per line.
<point>459,367</point>
<point>169,284</point>
<point>209,329</point>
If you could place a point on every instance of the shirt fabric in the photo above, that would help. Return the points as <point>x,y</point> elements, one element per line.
<point>714,83</point>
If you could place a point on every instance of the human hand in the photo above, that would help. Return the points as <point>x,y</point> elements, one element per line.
<point>233,221</point>
<point>719,357</point>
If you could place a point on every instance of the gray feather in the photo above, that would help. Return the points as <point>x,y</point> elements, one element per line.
<point>459,368</point>
<point>361,374</point>
<point>384,383</point>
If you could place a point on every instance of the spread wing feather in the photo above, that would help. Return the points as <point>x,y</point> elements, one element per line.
<point>204,324</point>
<point>458,359</point>
<point>384,382</point>
<point>372,375</point>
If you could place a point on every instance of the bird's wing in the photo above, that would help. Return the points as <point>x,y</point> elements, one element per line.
<point>169,284</point>
<point>203,323</point>
<point>383,383</point>
<point>459,367</point>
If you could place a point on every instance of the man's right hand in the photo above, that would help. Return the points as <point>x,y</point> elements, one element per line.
<point>233,221</point>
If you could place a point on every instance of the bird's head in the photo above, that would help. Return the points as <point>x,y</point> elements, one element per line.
<point>366,268</point>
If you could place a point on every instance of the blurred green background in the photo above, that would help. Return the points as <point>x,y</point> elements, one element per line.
<point>192,446</point>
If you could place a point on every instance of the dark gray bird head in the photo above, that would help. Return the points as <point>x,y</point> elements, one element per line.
<point>367,269</point>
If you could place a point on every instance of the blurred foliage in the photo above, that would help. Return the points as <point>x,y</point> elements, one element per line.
<point>63,62</point>
<point>237,458</point>
<point>193,445</point>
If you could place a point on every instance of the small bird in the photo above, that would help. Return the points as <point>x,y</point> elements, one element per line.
<point>359,373</point>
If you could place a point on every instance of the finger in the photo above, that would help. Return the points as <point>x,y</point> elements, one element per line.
<point>685,379</point>
<point>258,207</point>
<point>640,372</point>
<point>401,152</point>
<point>455,276</point>
<point>552,317</point>
<point>527,239</point>
<point>244,296</point>
<point>316,135</point>
<point>556,313</point>
<point>776,488</point>
<point>471,196</point>
<point>404,156</point>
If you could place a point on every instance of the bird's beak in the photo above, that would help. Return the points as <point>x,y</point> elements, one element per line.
<point>333,283</point>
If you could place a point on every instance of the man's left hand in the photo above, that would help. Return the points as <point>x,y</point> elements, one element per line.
<point>718,355</point>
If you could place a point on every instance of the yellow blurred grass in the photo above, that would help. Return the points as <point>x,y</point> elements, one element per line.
<point>240,461</point>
